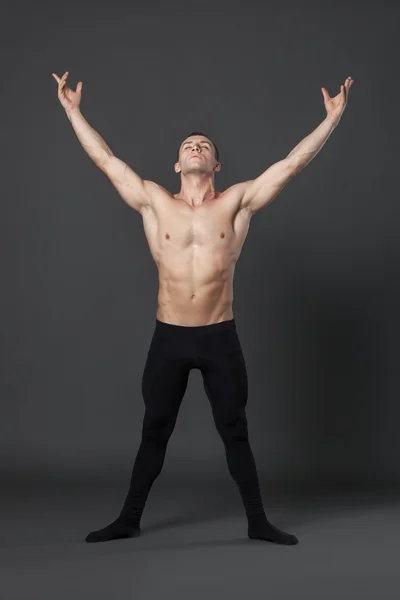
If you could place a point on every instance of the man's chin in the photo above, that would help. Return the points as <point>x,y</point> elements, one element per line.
<point>200,170</point>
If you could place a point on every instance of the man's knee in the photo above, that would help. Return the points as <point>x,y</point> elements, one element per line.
<point>233,429</point>
<point>158,429</point>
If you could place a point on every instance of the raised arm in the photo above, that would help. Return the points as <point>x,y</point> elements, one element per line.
<point>132,188</point>
<point>261,191</point>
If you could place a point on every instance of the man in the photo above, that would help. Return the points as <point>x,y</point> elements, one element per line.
<point>195,238</point>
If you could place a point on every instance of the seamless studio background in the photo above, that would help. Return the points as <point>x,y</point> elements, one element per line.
<point>316,299</point>
<point>316,287</point>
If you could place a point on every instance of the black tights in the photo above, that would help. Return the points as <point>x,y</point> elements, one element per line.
<point>174,351</point>
<point>216,351</point>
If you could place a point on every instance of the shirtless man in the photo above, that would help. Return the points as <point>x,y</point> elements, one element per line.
<point>195,238</point>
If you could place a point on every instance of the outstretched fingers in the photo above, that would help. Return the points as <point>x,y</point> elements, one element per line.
<point>346,87</point>
<point>325,94</point>
<point>348,83</point>
<point>61,81</point>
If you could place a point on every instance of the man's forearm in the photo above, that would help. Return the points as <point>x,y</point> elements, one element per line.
<point>90,140</point>
<point>309,147</point>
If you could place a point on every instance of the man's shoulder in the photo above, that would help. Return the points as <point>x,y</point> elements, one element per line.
<point>155,191</point>
<point>237,188</point>
<point>154,187</point>
<point>236,193</point>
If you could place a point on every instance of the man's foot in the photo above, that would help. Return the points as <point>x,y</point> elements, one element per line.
<point>261,529</point>
<point>118,529</point>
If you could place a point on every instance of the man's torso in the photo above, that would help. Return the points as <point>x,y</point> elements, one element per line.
<point>195,250</point>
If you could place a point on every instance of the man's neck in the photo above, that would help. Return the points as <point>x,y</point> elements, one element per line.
<point>195,189</point>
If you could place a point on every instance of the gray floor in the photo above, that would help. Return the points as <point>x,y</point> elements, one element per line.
<point>194,545</point>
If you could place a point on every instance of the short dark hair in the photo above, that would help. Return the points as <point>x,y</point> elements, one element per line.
<point>199,133</point>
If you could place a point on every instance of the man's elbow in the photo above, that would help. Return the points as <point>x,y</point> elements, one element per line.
<point>293,165</point>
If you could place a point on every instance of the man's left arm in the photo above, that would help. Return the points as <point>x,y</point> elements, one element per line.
<point>261,191</point>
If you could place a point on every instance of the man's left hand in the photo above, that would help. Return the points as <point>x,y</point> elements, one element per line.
<point>335,106</point>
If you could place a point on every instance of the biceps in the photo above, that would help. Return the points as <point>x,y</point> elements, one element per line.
<point>262,190</point>
<point>128,184</point>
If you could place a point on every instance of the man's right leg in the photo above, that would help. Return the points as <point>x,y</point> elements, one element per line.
<point>164,383</point>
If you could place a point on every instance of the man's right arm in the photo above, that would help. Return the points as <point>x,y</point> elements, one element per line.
<point>132,188</point>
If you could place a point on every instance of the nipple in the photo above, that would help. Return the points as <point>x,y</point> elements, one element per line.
<point>167,236</point>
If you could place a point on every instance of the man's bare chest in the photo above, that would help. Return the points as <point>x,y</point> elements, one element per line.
<point>172,226</point>
<point>199,226</point>
<point>177,224</point>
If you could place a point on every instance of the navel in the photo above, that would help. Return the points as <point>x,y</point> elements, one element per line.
<point>222,235</point>
<point>193,296</point>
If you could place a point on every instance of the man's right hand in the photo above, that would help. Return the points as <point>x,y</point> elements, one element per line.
<point>68,98</point>
<point>129,184</point>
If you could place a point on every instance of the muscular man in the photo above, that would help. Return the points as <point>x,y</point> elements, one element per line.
<point>195,237</point>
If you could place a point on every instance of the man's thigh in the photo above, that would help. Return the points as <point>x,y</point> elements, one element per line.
<point>164,383</point>
<point>225,382</point>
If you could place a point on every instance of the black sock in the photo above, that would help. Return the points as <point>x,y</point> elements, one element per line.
<point>261,529</point>
<point>118,529</point>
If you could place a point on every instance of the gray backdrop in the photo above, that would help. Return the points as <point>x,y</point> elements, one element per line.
<point>317,286</point>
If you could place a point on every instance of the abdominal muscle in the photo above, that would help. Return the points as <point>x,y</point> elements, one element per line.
<point>195,288</point>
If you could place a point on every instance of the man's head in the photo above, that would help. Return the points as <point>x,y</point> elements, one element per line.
<point>197,153</point>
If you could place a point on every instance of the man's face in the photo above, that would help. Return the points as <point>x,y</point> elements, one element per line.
<point>196,154</point>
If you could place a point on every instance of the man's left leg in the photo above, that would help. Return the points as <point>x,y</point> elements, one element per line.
<point>225,383</point>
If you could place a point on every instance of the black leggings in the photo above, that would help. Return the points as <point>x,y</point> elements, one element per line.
<point>174,350</point>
